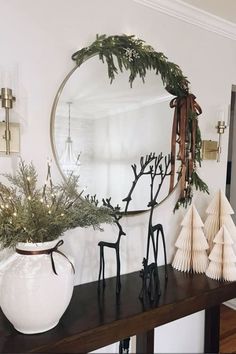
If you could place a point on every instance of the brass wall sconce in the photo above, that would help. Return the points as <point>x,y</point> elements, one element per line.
<point>211,150</point>
<point>9,132</point>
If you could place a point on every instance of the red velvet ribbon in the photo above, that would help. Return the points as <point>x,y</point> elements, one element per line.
<point>184,106</point>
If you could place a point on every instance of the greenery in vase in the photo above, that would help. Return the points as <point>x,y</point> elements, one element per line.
<point>32,214</point>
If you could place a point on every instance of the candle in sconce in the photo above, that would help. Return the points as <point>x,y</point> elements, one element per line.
<point>221,126</point>
<point>6,79</point>
<point>222,121</point>
<point>227,115</point>
<point>223,115</point>
<point>9,77</point>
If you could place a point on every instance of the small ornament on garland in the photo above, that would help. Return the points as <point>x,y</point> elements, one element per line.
<point>191,254</point>
<point>219,211</point>
<point>131,54</point>
<point>222,257</point>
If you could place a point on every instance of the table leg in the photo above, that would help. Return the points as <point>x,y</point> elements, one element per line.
<point>212,330</point>
<point>124,346</point>
<point>145,342</point>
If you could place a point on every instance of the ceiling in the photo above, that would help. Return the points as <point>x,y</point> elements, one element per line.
<point>225,9</point>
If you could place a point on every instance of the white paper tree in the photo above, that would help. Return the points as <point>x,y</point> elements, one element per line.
<point>219,211</point>
<point>191,254</point>
<point>222,257</point>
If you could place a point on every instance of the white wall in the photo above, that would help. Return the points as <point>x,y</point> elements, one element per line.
<point>40,36</point>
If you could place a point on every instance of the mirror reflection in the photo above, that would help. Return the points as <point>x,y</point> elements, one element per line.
<point>101,129</point>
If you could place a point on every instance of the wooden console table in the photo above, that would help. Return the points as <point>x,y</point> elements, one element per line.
<point>93,321</point>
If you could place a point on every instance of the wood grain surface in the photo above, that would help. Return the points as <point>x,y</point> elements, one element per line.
<point>227,330</point>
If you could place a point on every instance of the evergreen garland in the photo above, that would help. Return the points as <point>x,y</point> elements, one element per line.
<point>32,214</point>
<point>134,55</point>
<point>198,140</point>
<point>194,182</point>
<point>123,52</point>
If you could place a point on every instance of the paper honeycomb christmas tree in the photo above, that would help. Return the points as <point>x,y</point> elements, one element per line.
<point>219,211</point>
<point>191,255</point>
<point>222,257</point>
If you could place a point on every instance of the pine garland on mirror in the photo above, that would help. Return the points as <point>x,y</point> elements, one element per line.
<point>126,52</point>
<point>135,55</point>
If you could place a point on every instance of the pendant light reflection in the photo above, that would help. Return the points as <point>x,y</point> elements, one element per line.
<point>69,161</point>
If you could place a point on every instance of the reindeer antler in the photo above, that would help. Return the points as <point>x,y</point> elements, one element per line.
<point>116,213</point>
<point>159,171</point>
<point>144,163</point>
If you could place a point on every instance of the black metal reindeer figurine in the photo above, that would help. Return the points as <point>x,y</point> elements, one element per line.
<point>115,213</point>
<point>151,165</point>
<point>150,281</point>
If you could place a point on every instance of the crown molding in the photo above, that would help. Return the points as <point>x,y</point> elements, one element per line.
<point>193,15</point>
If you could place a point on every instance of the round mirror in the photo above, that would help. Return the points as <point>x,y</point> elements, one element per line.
<point>103,132</point>
<point>101,129</point>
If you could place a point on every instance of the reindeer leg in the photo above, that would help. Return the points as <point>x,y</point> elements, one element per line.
<point>158,285</point>
<point>118,283</point>
<point>164,247</point>
<point>103,269</point>
<point>100,269</point>
<point>142,274</point>
<point>152,285</point>
<point>156,250</point>
<point>153,245</point>
<point>148,244</point>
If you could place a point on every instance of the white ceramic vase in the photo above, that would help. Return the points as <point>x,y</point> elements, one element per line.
<point>32,296</point>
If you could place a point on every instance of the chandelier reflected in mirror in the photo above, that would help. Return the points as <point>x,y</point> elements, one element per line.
<point>69,160</point>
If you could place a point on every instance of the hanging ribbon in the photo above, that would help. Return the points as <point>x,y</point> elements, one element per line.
<point>50,252</point>
<point>185,137</point>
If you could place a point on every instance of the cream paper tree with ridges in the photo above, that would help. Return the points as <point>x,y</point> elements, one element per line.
<point>222,257</point>
<point>191,255</point>
<point>219,211</point>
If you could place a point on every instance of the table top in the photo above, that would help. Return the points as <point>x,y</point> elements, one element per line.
<point>94,320</point>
